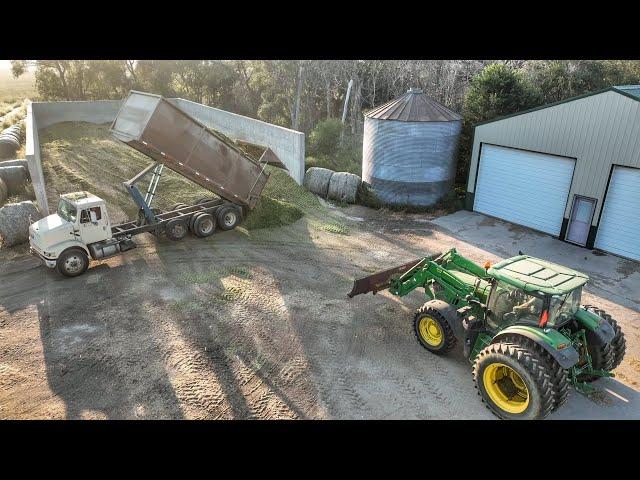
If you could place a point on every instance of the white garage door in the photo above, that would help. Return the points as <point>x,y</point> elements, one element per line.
<point>619,229</point>
<point>523,187</point>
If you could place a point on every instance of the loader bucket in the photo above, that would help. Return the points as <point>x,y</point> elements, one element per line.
<point>381,280</point>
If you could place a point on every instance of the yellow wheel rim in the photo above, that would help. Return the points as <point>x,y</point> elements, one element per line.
<point>505,388</point>
<point>430,331</point>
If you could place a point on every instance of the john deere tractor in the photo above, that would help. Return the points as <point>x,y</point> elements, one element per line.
<point>520,323</point>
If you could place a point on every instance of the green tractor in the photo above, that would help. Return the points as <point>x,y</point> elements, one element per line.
<point>520,323</point>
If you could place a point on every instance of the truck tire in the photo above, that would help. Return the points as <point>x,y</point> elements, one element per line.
<point>513,382</point>
<point>72,262</point>
<point>192,221</point>
<point>177,229</point>
<point>433,331</point>
<point>177,206</point>
<point>205,200</point>
<point>559,378</point>
<point>204,225</point>
<point>228,217</point>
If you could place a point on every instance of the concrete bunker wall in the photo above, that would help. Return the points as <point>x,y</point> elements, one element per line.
<point>287,144</point>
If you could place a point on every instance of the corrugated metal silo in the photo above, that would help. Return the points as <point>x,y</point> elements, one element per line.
<point>409,149</point>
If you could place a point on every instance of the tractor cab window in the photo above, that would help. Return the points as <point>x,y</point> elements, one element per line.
<point>510,305</point>
<point>67,211</point>
<point>563,307</point>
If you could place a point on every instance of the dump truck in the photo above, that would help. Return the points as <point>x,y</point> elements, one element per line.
<point>520,322</point>
<point>81,230</point>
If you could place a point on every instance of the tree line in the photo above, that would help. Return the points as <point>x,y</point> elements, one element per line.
<point>300,94</point>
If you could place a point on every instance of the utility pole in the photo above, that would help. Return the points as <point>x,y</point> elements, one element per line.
<point>346,106</point>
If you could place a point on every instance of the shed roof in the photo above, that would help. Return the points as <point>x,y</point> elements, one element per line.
<point>413,106</point>
<point>631,91</point>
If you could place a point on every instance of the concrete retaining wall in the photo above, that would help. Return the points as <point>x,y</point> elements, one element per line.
<point>287,144</point>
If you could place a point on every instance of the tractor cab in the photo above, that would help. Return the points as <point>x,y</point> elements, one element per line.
<point>530,291</point>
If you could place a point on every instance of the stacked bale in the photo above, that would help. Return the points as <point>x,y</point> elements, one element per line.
<point>343,187</point>
<point>14,163</point>
<point>10,140</point>
<point>15,219</point>
<point>317,180</point>
<point>14,177</point>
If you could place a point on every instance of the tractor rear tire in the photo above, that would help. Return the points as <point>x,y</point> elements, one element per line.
<point>559,377</point>
<point>433,331</point>
<point>608,356</point>
<point>514,382</point>
<point>177,229</point>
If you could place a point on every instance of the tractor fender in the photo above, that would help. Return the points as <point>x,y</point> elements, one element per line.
<point>449,313</point>
<point>549,339</point>
<point>602,330</point>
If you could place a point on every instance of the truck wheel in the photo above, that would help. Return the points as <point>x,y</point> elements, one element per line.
<point>205,200</point>
<point>559,378</point>
<point>192,221</point>
<point>433,331</point>
<point>177,229</point>
<point>178,205</point>
<point>72,262</point>
<point>227,217</point>
<point>618,345</point>
<point>204,225</point>
<point>513,382</point>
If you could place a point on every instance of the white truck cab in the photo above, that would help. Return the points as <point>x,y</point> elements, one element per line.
<point>80,228</point>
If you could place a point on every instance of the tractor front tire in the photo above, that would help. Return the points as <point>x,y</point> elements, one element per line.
<point>514,382</point>
<point>433,331</point>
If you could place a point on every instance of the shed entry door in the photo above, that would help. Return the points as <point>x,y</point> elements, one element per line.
<point>523,187</point>
<point>619,228</point>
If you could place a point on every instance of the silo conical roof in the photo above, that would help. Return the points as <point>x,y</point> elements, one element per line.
<point>413,106</point>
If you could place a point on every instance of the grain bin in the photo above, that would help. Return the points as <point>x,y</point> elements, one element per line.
<point>409,150</point>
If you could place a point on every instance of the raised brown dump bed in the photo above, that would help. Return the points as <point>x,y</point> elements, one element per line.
<point>156,127</point>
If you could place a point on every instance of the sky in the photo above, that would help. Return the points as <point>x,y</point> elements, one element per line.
<point>5,65</point>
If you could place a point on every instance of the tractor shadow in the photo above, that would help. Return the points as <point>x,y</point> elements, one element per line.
<point>612,400</point>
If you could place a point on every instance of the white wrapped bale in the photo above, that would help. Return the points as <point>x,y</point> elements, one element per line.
<point>8,146</point>
<point>317,180</point>
<point>15,219</point>
<point>14,177</point>
<point>343,187</point>
<point>15,163</point>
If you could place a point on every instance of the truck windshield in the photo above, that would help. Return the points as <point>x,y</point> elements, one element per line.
<point>67,211</point>
<point>564,307</point>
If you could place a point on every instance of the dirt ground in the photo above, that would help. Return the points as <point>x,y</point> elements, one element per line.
<point>257,324</point>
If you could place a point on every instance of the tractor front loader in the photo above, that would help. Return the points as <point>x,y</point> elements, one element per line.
<point>520,324</point>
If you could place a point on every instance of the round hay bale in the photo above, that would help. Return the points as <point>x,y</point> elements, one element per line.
<point>15,219</point>
<point>15,163</point>
<point>4,193</point>
<point>317,180</point>
<point>14,177</point>
<point>344,187</point>
<point>8,147</point>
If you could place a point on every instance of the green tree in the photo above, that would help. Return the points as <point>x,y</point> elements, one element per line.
<point>495,91</point>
